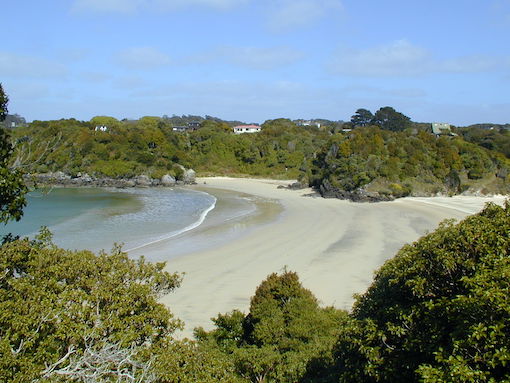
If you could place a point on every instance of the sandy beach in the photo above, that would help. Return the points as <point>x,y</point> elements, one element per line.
<point>335,246</point>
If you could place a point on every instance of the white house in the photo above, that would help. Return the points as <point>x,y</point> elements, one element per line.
<point>246,129</point>
<point>101,128</point>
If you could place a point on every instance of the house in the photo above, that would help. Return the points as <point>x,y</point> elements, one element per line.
<point>442,129</point>
<point>192,126</point>
<point>308,123</point>
<point>13,121</point>
<point>180,129</point>
<point>101,128</point>
<point>246,129</point>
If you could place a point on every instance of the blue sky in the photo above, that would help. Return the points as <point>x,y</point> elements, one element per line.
<point>255,60</point>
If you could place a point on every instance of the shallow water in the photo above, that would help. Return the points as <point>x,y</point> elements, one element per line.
<point>97,218</point>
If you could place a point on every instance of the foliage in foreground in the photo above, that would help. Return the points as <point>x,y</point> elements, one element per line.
<point>75,316</point>
<point>12,188</point>
<point>437,312</point>
<point>284,330</point>
<point>58,306</point>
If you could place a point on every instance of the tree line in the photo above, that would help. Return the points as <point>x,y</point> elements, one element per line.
<point>394,157</point>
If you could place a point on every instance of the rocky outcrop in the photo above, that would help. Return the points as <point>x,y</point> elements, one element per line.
<point>189,176</point>
<point>84,179</point>
<point>167,180</point>
<point>294,186</point>
<point>359,195</point>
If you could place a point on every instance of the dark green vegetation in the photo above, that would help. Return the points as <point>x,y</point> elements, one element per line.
<point>409,162</point>
<point>437,312</point>
<point>283,332</point>
<point>12,187</point>
<point>385,153</point>
<point>496,138</point>
<point>149,146</point>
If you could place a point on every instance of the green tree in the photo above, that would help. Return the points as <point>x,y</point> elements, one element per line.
<point>362,117</point>
<point>389,119</point>
<point>58,308</point>
<point>4,100</point>
<point>283,331</point>
<point>12,187</point>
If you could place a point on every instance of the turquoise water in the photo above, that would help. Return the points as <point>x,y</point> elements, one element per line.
<point>96,218</point>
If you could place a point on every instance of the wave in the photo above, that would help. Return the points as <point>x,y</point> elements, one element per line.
<point>192,226</point>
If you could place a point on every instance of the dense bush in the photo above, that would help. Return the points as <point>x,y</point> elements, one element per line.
<point>284,330</point>
<point>400,163</point>
<point>149,146</point>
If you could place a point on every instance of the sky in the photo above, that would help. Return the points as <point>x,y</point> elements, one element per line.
<point>254,60</point>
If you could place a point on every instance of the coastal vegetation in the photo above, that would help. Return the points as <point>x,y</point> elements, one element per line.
<point>397,164</point>
<point>375,156</point>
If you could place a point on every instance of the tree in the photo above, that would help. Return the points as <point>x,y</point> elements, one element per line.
<point>12,187</point>
<point>389,119</point>
<point>363,117</point>
<point>437,312</point>
<point>64,311</point>
<point>283,331</point>
<point>4,100</point>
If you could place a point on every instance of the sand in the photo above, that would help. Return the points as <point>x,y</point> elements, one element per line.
<point>335,246</point>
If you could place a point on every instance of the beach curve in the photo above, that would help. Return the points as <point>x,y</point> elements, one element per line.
<point>334,246</point>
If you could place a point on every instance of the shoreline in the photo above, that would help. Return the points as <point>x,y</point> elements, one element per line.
<point>334,245</point>
<point>235,214</point>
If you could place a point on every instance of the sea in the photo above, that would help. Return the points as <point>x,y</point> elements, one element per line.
<point>159,223</point>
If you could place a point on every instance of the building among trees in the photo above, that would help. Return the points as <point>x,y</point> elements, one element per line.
<point>239,129</point>
<point>442,129</point>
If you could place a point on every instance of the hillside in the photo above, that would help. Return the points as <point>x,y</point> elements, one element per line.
<point>363,163</point>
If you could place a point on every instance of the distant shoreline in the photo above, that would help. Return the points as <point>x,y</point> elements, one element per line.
<point>334,245</point>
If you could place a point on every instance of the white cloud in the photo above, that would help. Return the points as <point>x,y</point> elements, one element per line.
<point>287,15</point>
<point>131,6</point>
<point>401,58</point>
<point>15,65</point>
<point>143,58</point>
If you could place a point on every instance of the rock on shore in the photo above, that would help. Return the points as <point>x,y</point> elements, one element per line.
<point>359,195</point>
<point>84,179</point>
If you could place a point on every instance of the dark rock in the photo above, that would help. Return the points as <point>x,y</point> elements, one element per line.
<point>293,186</point>
<point>359,195</point>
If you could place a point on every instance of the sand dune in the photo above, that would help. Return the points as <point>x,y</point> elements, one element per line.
<point>335,246</point>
